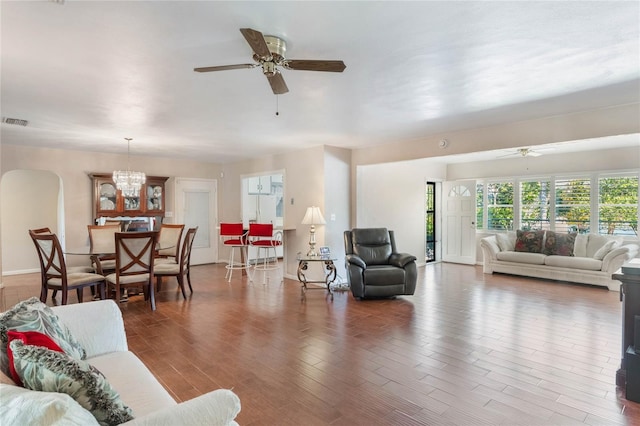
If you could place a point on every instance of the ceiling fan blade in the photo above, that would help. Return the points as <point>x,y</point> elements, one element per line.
<point>256,41</point>
<point>315,65</point>
<point>277,83</point>
<point>224,67</point>
<point>533,154</point>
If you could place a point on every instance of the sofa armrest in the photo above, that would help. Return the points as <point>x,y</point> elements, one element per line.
<point>356,260</point>
<point>98,326</point>
<point>217,408</point>
<point>616,257</point>
<point>490,250</point>
<point>401,259</point>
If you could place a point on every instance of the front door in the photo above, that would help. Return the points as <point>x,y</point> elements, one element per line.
<point>459,222</point>
<point>196,205</point>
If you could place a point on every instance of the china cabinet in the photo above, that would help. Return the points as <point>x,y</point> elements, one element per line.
<point>108,201</point>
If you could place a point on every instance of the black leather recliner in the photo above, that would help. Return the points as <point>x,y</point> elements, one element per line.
<point>374,268</point>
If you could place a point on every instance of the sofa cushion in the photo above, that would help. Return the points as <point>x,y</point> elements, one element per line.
<point>573,262</point>
<point>45,370</point>
<point>559,244</point>
<point>521,257</point>
<point>137,387</point>
<point>22,406</point>
<point>506,241</point>
<point>604,250</point>
<point>529,241</point>
<point>33,315</point>
<point>596,241</point>
<point>580,245</point>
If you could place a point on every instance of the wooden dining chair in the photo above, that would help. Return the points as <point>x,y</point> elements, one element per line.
<point>180,269</point>
<point>134,264</point>
<point>170,236</point>
<point>103,247</point>
<point>54,272</point>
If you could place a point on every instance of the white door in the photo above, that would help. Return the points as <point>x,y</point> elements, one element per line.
<point>197,205</point>
<point>459,222</point>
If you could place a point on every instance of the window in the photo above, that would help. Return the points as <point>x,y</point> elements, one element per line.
<point>500,206</point>
<point>479,204</point>
<point>618,205</point>
<point>534,204</point>
<point>430,216</point>
<point>573,205</point>
<point>603,203</point>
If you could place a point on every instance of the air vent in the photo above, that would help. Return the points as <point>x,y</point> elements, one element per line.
<point>15,121</point>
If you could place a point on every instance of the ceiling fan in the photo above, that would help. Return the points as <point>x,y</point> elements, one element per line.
<point>526,152</point>
<point>269,54</point>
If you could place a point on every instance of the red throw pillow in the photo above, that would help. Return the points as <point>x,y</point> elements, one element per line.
<point>33,338</point>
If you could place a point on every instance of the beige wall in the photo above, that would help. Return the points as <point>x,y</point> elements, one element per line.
<point>30,200</point>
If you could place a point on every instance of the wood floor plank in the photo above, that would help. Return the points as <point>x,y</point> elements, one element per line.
<point>467,349</point>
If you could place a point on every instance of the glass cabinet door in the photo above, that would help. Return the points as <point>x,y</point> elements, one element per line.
<point>155,197</point>
<point>108,198</point>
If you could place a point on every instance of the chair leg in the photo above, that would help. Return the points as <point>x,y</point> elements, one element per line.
<point>117,287</point>
<point>102,290</point>
<point>79,292</point>
<point>43,294</point>
<point>152,295</point>
<point>181,284</point>
<point>55,293</point>
<point>65,294</point>
<point>189,281</point>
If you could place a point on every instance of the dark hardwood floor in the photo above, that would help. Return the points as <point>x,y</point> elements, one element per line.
<point>466,349</point>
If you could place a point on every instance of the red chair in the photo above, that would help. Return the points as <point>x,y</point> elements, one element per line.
<point>262,237</point>
<point>235,236</point>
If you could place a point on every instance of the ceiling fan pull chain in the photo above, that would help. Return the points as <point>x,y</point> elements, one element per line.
<point>277,106</point>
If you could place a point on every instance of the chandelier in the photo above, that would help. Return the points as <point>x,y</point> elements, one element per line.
<point>127,181</point>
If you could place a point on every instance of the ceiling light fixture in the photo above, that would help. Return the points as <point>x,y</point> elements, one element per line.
<point>127,181</point>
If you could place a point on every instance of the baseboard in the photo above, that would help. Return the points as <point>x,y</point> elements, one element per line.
<point>20,272</point>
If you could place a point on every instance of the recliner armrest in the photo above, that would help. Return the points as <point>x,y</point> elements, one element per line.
<point>401,259</point>
<point>356,260</point>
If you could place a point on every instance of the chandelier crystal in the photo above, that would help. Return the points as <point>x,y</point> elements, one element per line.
<point>127,181</point>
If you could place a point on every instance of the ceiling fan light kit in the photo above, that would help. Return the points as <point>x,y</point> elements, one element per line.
<point>269,54</point>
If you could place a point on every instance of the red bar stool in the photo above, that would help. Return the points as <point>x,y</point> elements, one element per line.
<point>261,236</point>
<point>233,235</point>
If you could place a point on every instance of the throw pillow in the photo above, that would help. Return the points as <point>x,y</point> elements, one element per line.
<point>33,315</point>
<point>506,242</point>
<point>559,244</point>
<point>28,338</point>
<point>602,251</point>
<point>45,370</point>
<point>529,241</point>
<point>580,246</point>
<point>22,406</point>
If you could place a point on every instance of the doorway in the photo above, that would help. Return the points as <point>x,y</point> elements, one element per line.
<point>430,222</point>
<point>197,205</point>
<point>459,222</point>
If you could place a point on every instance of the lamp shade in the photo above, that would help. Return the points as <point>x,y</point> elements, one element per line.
<point>313,216</point>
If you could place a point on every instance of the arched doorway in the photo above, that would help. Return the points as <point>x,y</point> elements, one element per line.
<point>30,199</point>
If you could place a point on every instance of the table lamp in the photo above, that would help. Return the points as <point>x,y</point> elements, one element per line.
<point>313,217</point>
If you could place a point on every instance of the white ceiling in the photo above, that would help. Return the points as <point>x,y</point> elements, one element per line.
<point>87,74</point>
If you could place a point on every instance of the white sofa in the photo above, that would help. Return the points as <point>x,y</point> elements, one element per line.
<point>581,267</point>
<point>99,328</point>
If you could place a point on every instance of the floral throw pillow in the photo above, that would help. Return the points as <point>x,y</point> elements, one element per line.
<point>45,370</point>
<point>33,315</point>
<point>559,244</point>
<point>529,241</point>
